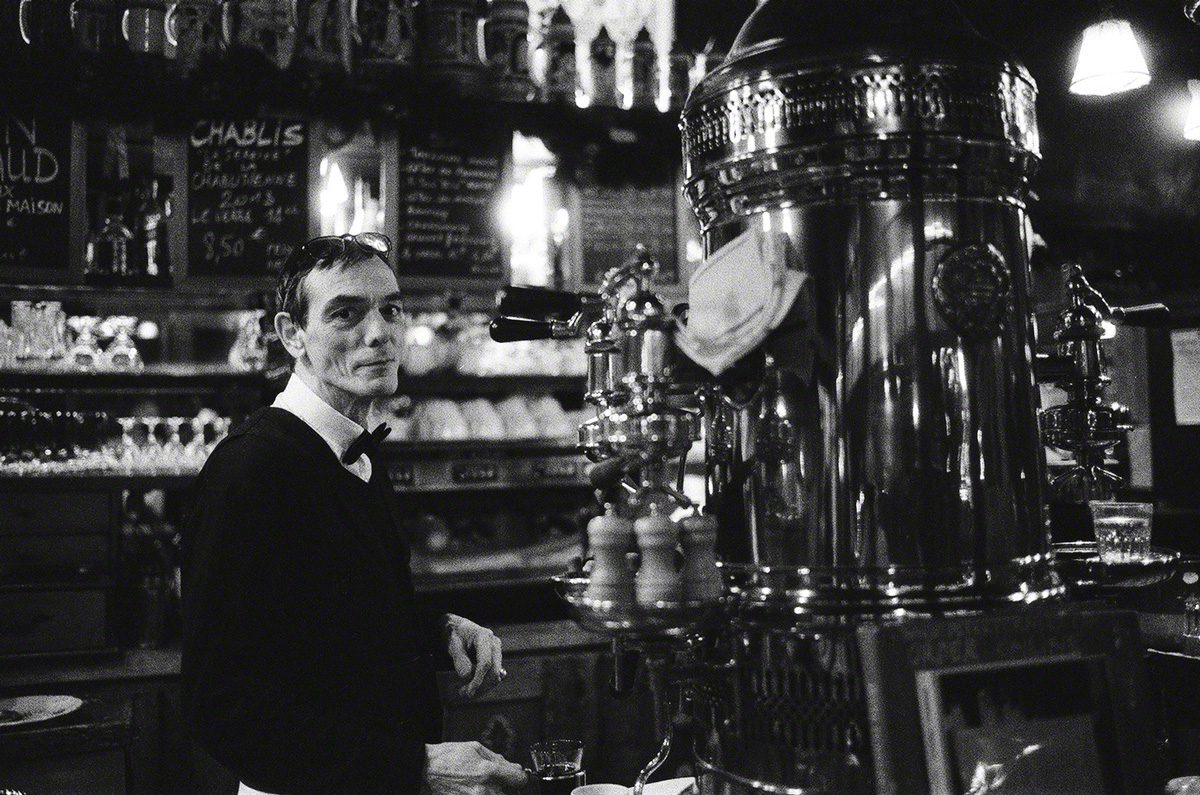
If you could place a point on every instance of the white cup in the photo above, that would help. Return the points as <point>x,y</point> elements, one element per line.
<point>600,789</point>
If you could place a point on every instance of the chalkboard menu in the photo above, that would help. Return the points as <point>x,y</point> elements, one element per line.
<point>451,179</point>
<point>247,195</point>
<point>615,220</point>
<point>35,191</point>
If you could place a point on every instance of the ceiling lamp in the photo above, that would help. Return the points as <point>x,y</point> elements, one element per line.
<point>1191,127</point>
<point>1110,60</point>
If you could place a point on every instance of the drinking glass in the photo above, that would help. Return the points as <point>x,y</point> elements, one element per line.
<point>1122,530</point>
<point>85,353</point>
<point>23,328</point>
<point>558,766</point>
<point>155,452</point>
<point>55,320</point>
<point>220,429</point>
<point>129,450</point>
<point>122,353</point>
<point>195,450</point>
<point>173,452</point>
<point>11,437</point>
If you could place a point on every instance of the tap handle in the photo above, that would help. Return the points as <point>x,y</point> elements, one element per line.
<point>1145,315</point>
<point>1050,368</point>
<point>537,302</point>
<point>515,329</point>
<point>605,474</point>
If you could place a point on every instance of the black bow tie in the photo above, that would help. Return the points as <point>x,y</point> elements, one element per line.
<point>367,442</point>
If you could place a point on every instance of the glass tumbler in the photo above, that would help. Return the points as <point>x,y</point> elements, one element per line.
<point>1122,530</point>
<point>558,766</point>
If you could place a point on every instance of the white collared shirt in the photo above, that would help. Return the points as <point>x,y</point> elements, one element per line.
<point>338,430</point>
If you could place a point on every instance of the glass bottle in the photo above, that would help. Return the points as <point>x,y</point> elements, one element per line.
<point>149,255</point>
<point>108,248</point>
<point>160,193</point>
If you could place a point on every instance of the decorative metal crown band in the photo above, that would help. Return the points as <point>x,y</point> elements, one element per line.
<point>854,169</point>
<point>871,101</point>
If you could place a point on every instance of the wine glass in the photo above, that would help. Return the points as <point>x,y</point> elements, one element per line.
<point>129,450</point>
<point>11,438</point>
<point>173,452</point>
<point>153,453</point>
<point>194,448</point>
<point>220,429</point>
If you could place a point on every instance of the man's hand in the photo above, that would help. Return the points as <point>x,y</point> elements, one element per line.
<point>469,769</point>
<point>475,651</point>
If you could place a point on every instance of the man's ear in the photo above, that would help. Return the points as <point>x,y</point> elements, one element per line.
<point>291,335</point>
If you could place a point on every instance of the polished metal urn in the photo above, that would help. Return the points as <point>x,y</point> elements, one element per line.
<point>878,456</point>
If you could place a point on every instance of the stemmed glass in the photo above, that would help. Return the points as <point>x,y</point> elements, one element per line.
<point>193,451</point>
<point>129,449</point>
<point>122,354</point>
<point>61,439</point>
<point>12,435</point>
<point>154,462</point>
<point>41,426</point>
<point>220,428</point>
<point>172,453</point>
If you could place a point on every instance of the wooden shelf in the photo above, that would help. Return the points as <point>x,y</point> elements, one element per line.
<point>100,481</point>
<point>130,299</point>
<point>189,376</point>
<point>473,447</point>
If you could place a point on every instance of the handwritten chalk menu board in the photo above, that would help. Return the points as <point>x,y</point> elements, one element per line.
<point>615,220</point>
<point>451,179</point>
<point>247,195</point>
<point>35,191</point>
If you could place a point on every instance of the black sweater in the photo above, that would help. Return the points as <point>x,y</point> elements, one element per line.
<point>307,665</point>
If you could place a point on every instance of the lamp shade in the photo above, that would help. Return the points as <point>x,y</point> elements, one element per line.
<point>1191,127</point>
<point>1110,60</point>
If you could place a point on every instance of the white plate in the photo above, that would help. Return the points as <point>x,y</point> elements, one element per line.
<point>32,709</point>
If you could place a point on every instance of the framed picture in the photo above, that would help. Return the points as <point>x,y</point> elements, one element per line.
<point>1033,701</point>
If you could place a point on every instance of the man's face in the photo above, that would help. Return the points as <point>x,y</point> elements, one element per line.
<point>353,332</point>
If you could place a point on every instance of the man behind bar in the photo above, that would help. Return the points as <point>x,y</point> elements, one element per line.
<point>307,665</point>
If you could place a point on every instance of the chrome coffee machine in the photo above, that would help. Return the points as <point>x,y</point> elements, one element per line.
<point>875,453</point>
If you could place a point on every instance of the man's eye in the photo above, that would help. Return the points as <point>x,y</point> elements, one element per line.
<point>342,314</point>
<point>391,311</point>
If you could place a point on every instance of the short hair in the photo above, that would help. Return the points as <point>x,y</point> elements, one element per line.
<point>290,295</point>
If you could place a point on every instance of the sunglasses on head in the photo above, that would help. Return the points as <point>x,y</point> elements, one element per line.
<point>335,245</point>
<point>329,246</point>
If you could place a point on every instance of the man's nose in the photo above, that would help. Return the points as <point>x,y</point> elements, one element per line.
<point>376,329</point>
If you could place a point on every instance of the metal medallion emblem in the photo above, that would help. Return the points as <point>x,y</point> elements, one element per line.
<point>970,289</point>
